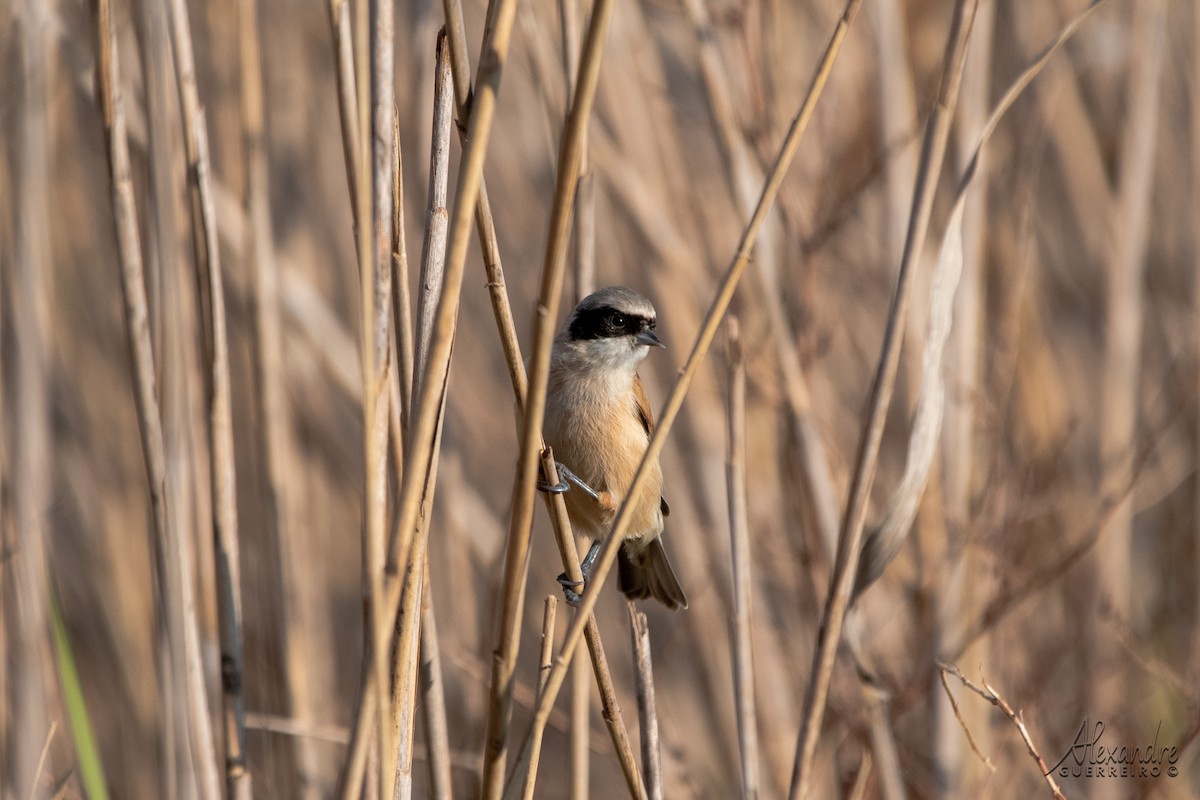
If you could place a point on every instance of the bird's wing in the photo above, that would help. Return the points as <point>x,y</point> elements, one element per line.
<point>643,405</point>
<point>647,420</point>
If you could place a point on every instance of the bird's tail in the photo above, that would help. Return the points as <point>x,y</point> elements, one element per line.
<point>648,573</point>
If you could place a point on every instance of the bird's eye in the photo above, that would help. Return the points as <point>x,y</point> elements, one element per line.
<point>618,321</point>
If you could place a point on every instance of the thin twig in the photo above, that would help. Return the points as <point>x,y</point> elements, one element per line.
<point>963,723</point>
<point>712,320</point>
<point>639,629</point>
<point>989,694</point>
<point>850,538</point>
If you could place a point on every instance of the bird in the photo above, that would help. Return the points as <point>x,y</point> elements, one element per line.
<point>598,423</point>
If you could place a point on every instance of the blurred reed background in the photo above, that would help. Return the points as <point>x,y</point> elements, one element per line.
<point>187,482</point>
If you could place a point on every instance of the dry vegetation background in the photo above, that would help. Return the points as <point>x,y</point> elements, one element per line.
<point>1055,550</point>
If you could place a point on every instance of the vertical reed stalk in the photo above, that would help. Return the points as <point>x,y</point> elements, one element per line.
<point>431,285</point>
<point>841,585</point>
<point>220,424</point>
<point>639,628</point>
<point>26,615</point>
<point>546,316</point>
<point>740,560</point>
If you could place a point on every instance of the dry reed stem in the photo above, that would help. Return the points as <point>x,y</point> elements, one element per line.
<point>545,321</point>
<point>545,662</point>
<point>173,580</point>
<point>639,628</point>
<point>437,736</point>
<point>271,384</point>
<point>426,411</point>
<point>580,713</point>
<point>585,192</point>
<point>740,562</point>
<point>1195,154</point>
<point>1125,280</point>
<point>374,68</point>
<point>883,543</point>
<point>433,258</point>
<point>26,616</point>
<point>745,177</point>
<point>343,49</point>
<point>850,539</point>
<point>402,323</point>
<point>555,504</point>
<point>700,347</point>
<point>990,694</point>
<point>220,428</point>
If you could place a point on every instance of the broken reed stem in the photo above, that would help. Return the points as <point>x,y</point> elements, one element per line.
<point>141,356</point>
<point>1017,719</point>
<point>220,428</point>
<point>546,315</point>
<point>704,337</point>
<point>739,546</point>
<point>639,628</point>
<point>850,539</point>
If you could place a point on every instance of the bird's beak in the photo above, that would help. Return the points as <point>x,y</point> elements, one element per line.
<point>648,338</point>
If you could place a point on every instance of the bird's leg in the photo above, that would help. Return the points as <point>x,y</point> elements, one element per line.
<point>566,475</point>
<point>572,589</point>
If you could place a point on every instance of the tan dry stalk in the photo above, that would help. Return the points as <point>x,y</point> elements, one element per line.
<point>580,713</point>
<point>883,542</point>
<point>402,324</point>
<point>1125,279</point>
<point>220,427</point>
<point>26,615</point>
<point>437,735</point>
<point>433,262</point>
<point>427,410</point>
<point>712,320</point>
<point>585,192</point>
<point>545,661</point>
<point>740,562</point>
<point>545,321</point>
<point>555,505</point>
<point>284,567</point>
<point>639,628</point>
<point>850,539</point>
<point>343,48</point>
<point>745,177</point>
<point>374,68</point>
